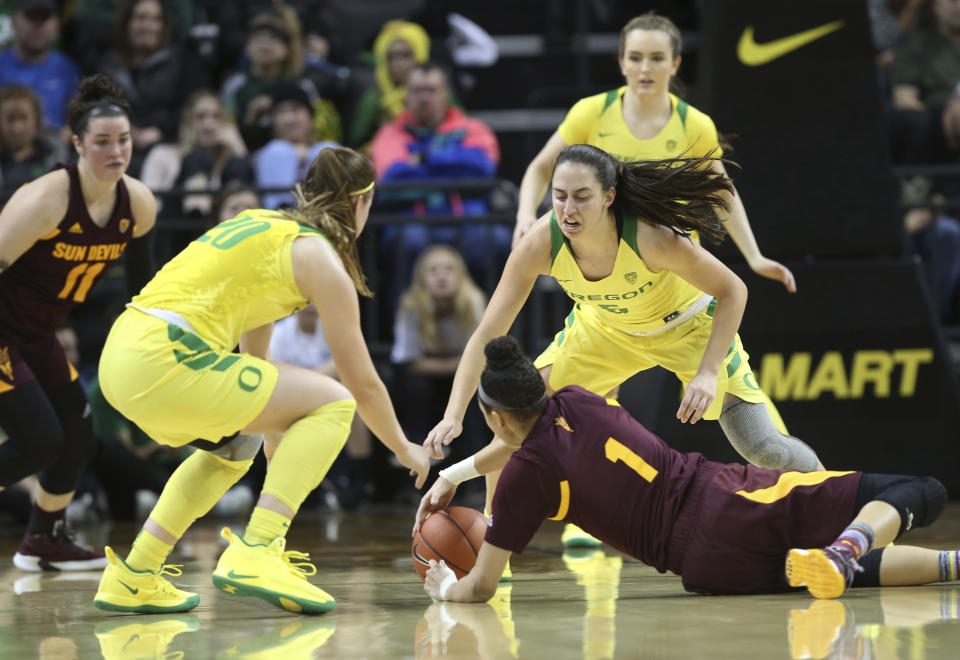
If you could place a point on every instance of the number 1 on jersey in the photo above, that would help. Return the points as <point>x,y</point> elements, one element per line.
<point>617,451</point>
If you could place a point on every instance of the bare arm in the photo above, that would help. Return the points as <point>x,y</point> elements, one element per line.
<point>322,278</point>
<point>143,204</point>
<point>530,259</point>
<point>664,249</point>
<point>738,226</point>
<point>479,585</point>
<point>33,212</point>
<point>534,185</point>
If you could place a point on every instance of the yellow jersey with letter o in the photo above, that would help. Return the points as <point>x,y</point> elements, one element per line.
<point>236,277</point>
<point>598,120</point>
<point>631,298</point>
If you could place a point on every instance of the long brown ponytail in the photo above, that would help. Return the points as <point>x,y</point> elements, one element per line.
<point>325,202</point>
<point>680,193</point>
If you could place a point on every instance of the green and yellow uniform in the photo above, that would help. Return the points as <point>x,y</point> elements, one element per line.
<point>635,319</point>
<point>598,120</point>
<point>168,363</point>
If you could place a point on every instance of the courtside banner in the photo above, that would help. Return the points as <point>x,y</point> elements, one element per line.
<point>855,363</point>
<point>794,86</point>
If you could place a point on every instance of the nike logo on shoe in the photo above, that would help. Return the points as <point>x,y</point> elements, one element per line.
<point>753,54</point>
<point>240,576</point>
<point>129,588</point>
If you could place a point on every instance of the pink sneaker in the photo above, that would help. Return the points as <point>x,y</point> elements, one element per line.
<point>43,552</point>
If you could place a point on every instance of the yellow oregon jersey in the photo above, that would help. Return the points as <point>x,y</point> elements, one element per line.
<point>236,277</point>
<point>598,120</point>
<point>631,298</point>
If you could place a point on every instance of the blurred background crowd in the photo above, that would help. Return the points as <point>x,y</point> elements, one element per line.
<point>451,100</point>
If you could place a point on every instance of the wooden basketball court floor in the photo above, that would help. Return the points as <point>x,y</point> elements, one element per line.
<point>598,605</point>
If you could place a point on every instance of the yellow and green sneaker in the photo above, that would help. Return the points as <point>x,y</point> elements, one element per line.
<point>123,589</point>
<point>574,537</point>
<point>267,572</point>
<point>121,638</point>
<point>507,575</point>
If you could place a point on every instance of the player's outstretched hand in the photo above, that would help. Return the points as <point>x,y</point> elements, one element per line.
<point>441,436</point>
<point>439,496</point>
<point>774,270</point>
<point>699,395</point>
<point>437,575</point>
<point>417,458</point>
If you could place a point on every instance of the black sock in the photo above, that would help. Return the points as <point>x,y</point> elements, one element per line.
<point>43,522</point>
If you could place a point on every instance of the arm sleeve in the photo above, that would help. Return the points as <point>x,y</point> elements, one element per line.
<point>139,265</point>
<point>575,128</point>
<point>519,507</point>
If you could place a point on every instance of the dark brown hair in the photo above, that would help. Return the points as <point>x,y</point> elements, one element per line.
<point>651,21</point>
<point>17,91</point>
<point>511,379</point>
<point>680,193</point>
<point>325,202</point>
<point>96,93</point>
<point>121,34</point>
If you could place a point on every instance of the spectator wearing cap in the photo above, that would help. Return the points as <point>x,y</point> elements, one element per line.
<point>285,159</point>
<point>275,51</point>
<point>153,72</point>
<point>31,60</point>
<point>433,139</point>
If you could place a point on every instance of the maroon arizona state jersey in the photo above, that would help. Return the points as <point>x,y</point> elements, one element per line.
<point>57,272</point>
<point>588,462</point>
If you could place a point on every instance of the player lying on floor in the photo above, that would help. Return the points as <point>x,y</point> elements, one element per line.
<point>724,528</point>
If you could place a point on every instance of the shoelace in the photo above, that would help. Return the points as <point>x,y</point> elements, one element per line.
<point>301,568</point>
<point>174,570</point>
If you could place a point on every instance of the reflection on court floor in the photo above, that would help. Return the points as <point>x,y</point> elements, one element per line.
<point>595,604</point>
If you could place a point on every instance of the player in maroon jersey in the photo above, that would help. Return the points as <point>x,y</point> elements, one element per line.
<point>724,528</point>
<point>58,235</point>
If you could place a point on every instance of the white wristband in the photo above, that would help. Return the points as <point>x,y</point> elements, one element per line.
<point>448,581</point>
<point>462,471</point>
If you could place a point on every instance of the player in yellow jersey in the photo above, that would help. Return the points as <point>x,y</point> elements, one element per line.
<point>645,294</point>
<point>168,366</point>
<point>643,121</point>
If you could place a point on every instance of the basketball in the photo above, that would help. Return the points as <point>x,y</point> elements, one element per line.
<point>453,534</point>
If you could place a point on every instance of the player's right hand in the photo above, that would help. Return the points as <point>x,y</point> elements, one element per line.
<point>441,436</point>
<point>417,459</point>
<point>439,496</point>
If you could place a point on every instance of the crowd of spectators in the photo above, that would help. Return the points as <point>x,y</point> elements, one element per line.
<point>233,100</point>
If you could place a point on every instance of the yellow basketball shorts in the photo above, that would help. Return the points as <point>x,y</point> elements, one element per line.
<point>597,357</point>
<point>175,386</point>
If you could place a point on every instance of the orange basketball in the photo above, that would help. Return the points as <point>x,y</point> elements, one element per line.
<point>454,535</point>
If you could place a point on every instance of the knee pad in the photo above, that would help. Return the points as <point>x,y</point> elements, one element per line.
<point>918,500</point>
<point>870,563</point>
<point>751,431</point>
<point>34,434</point>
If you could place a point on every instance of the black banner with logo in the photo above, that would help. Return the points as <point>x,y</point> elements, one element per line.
<point>794,85</point>
<point>854,362</point>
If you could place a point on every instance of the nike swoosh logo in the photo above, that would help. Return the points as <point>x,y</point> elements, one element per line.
<point>240,576</point>
<point>601,134</point>
<point>129,588</point>
<point>753,54</point>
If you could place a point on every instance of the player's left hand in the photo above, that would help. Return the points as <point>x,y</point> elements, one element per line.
<point>774,270</point>
<point>700,393</point>
<point>439,496</point>
<point>437,574</point>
